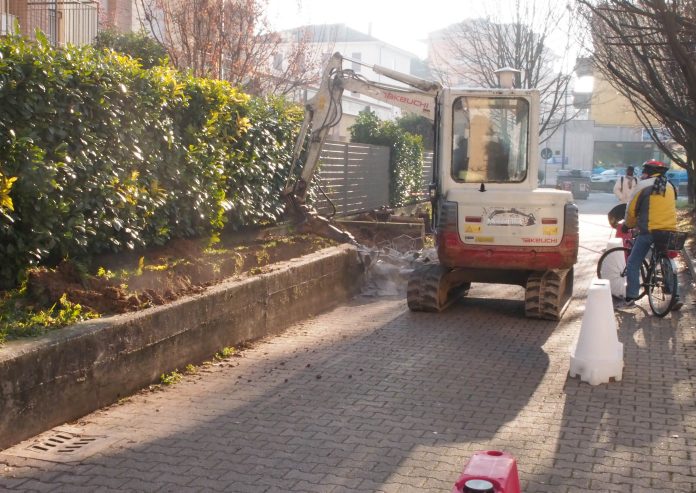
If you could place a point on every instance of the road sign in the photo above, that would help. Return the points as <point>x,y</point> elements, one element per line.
<point>546,153</point>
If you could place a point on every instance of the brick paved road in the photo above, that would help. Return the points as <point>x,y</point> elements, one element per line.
<point>371,397</point>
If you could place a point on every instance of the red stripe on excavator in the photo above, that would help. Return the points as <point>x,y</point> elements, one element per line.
<point>453,252</point>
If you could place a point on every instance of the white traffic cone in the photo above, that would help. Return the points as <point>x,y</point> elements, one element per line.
<point>612,268</point>
<point>597,355</point>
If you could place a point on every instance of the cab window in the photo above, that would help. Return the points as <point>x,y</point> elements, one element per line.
<point>489,139</point>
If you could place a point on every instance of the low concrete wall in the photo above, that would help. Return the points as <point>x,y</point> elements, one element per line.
<point>74,371</point>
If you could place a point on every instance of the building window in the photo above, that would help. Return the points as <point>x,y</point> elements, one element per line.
<point>357,56</point>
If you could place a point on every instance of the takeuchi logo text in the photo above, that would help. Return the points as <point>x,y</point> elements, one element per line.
<point>539,240</point>
<point>390,96</point>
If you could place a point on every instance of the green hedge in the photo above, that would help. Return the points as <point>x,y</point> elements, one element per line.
<point>98,154</point>
<point>405,160</point>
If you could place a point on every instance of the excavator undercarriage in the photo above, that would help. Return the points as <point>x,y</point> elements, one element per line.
<point>433,287</point>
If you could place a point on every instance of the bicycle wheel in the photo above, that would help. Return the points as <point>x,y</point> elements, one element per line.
<point>612,266</point>
<point>662,286</point>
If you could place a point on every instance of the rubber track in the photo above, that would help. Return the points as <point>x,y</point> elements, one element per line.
<point>423,294</point>
<point>544,295</point>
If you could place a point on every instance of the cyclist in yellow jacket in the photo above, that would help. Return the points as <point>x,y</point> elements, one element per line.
<point>652,207</point>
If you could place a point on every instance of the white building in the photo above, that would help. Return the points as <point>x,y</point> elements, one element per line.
<point>324,40</point>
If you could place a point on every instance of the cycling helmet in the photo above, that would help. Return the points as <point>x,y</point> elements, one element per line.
<point>653,167</point>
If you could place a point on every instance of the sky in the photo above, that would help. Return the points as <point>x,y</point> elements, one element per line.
<point>402,23</point>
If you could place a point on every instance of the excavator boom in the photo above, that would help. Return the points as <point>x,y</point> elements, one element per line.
<point>324,111</point>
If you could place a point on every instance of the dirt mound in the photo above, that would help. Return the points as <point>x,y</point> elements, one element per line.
<point>129,282</point>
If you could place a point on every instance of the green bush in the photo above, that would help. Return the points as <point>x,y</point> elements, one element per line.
<point>139,45</point>
<point>418,125</point>
<point>263,156</point>
<point>406,156</point>
<point>98,154</point>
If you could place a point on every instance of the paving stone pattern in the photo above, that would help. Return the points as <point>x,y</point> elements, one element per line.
<point>372,398</point>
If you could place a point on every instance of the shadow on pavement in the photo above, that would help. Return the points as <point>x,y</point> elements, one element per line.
<point>352,407</point>
<point>639,431</point>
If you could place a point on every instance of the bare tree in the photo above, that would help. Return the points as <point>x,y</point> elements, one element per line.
<point>473,50</point>
<point>230,40</point>
<point>647,50</point>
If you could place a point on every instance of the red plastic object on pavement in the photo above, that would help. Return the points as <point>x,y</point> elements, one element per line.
<point>490,471</point>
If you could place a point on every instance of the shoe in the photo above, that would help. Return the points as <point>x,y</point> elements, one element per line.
<point>626,303</point>
<point>677,305</point>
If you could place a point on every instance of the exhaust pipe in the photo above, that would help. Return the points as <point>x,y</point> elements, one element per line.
<point>506,77</point>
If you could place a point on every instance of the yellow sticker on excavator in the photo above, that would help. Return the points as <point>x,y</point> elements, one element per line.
<point>550,230</point>
<point>484,239</point>
<point>472,228</point>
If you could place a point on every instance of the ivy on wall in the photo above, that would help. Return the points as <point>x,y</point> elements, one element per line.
<point>406,156</point>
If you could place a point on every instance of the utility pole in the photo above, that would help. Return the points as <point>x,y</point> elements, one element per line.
<point>565,120</point>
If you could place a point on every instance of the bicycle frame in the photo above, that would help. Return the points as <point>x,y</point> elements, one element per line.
<point>628,239</point>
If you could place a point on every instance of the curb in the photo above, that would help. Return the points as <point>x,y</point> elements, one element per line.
<point>71,372</point>
<point>689,262</point>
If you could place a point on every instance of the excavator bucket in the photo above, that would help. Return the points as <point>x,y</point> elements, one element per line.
<point>321,226</point>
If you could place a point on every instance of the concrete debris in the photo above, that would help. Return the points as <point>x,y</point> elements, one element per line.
<point>389,265</point>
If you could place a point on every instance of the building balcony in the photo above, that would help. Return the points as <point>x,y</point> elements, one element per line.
<point>63,22</point>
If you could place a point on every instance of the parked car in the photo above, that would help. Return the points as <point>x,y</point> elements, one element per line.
<point>677,176</point>
<point>680,179</point>
<point>575,181</point>
<point>606,179</point>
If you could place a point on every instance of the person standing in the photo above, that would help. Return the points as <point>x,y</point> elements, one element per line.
<point>651,209</point>
<point>625,186</point>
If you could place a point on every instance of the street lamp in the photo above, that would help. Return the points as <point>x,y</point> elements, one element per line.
<point>565,120</point>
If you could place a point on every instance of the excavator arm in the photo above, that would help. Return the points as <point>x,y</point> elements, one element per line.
<point>324,111</point>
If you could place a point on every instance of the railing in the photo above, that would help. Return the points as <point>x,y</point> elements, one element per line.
<point>6,19</point>
<point>62,21</point>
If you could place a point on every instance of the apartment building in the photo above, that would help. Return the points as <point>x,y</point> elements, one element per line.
<point>121,15</point>
<point>610,134</point>
<point>62,21</point>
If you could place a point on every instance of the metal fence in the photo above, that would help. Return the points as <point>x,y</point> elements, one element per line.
<point>6,18</point>
<point>61,21</point>
<point>356,177</point>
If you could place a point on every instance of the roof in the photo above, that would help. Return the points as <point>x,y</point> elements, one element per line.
<point>328,33</point>
<point>336,33</point>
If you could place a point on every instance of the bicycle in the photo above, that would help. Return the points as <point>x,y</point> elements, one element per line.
<point>657,272</point>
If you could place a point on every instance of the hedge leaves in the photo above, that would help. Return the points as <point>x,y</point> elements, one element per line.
<point>98,154</point>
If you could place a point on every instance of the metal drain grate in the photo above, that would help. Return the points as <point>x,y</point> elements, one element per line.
<point>61,446</point>
<point>62,443</point>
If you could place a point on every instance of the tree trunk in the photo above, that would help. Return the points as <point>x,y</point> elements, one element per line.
<point>691,174</point>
